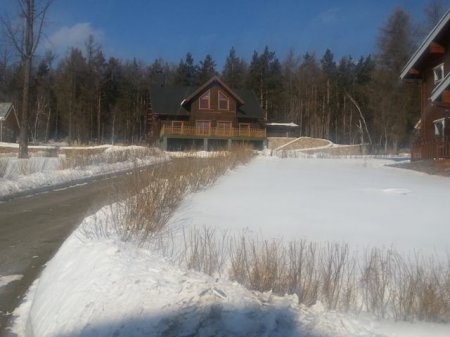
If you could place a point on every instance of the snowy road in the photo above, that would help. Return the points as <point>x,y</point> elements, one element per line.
<point>33,228</point>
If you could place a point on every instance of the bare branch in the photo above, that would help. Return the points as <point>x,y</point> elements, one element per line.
<point>361,115</point>
<point>12,34</point>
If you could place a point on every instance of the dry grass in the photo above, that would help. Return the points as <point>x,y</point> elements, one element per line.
<point>380,281</point>
<point>153,195</point>
<point>80,158</point>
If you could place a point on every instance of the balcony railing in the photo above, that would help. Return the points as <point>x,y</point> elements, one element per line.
<point>432,148</point>
<point>211,132</point>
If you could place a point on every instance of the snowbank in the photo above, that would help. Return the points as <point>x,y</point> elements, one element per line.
<point>98,286</point>
<point>40,173</point>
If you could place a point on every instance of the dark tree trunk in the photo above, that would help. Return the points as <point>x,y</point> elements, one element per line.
<point>27,58</point>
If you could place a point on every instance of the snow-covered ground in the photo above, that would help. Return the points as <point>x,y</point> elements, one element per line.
<point>97,285</point>
<point>357,201</point>
<point>42,172</point>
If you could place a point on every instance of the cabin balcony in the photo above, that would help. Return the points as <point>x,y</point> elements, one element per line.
<point>432,148</point>
<point>178,129</point>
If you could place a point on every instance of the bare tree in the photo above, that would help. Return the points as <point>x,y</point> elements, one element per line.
<point>26,40</point>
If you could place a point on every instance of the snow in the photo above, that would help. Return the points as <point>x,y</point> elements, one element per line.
<point>196,154</point>
<point>283,124</point>
<point>53,145</point>
<point>41,172</point>
<point>97,285</point>
<point>357,201</point>
<point>5,280</point>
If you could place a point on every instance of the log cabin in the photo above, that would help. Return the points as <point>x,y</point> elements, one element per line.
<point>430,65</point>
<point>212,116</point>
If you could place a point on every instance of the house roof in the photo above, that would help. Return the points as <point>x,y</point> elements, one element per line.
<point>251,107</point>
<point>431,37</point>
<point>171,100</point>
<point>5,109</point>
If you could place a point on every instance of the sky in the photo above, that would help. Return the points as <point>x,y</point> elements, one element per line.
<point>148,29</point>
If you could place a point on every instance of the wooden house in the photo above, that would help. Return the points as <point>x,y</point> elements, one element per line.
<point>208,117</point>
<point>9,124</point>
<point>430,65</point>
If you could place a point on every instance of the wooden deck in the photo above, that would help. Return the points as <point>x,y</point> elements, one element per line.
<point>433,148</point>
<point>188,131</point>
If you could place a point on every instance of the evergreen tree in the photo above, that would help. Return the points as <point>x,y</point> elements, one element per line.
<point>393,101</point>
<point>265,79</point>
<point>206,70</point>
<point>234,70</point>
<point>186,72</point>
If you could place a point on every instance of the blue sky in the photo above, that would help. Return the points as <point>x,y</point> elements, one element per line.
<point>147,29</point>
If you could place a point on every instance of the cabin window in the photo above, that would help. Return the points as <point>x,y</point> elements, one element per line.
<point>224,101</point>
<point>438,73</point>
<point>202,128</point>
<point>205,99</point>
<point>224,128</point>
<point>439,127</point>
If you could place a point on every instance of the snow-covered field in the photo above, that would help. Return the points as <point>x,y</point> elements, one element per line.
<point>357,201</point>
<point>97,285</point>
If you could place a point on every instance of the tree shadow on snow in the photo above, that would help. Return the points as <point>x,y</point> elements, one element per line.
<point>213,320</point>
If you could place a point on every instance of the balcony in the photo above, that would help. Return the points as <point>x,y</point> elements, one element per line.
<point>431,148</point>
<point>204,130</point>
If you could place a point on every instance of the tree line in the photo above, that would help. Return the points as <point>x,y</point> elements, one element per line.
<point>85,97</point>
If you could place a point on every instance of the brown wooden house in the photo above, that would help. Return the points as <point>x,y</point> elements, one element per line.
<point>9,124</point>
<point>208,117</point>
<point>430,65</point>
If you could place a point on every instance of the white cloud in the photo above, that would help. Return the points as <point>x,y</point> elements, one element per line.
<point>74,36</point>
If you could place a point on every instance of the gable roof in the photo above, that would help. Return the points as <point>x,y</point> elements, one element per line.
<point>5,109</point>
<point>431,37</point>
<point>171,100</point>
<point>207,84</point>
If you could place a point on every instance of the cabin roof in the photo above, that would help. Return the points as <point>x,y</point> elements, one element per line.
<point>171,101</point>
<point>168,100</point>
<point>421,51</point>
<point>251,107</point>
<point>5,109</point>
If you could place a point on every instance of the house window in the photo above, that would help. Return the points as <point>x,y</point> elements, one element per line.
<point>438,73</point>
<point>439,127</point>
<point>224,128</point>
<point>244,129</point>
<point>202,128</point>
<point>205,99</point>
<point>224,101</point>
